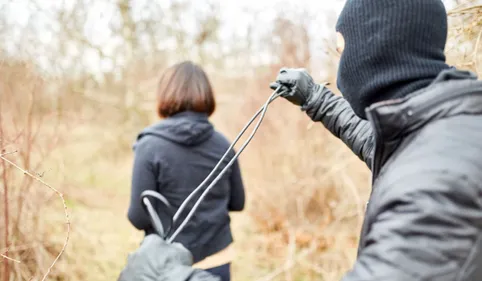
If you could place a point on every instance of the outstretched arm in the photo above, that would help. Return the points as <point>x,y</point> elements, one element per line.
<point>333,111</point>
<point>337,116</point>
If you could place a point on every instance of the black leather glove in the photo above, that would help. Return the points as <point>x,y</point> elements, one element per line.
<point>298,83</point>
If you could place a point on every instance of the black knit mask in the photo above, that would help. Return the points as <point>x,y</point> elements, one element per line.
<point>392,48</point>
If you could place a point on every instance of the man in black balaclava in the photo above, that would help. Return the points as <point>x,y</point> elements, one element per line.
<point>417,123</point>
<point>392,48</point>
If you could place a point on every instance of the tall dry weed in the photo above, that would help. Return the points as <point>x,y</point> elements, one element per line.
<point>29,133</point>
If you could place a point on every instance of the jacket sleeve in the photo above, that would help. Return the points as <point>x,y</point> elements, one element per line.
<point>144,177</point>
<point>237,193</point>
<point>339,118</point>
<point>429,231</point>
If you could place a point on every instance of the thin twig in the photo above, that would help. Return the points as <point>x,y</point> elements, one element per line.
<point>10,259</point>
<point>6,206</point>
<point>67,219</point>
<point>8,153</point>
<point>464,10</point>
<point>476,48</point>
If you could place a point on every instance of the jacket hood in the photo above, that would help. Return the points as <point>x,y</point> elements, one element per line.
<point>186,128</point>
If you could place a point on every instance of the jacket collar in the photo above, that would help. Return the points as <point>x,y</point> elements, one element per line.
<point>452,93</point>
<point>192,115</point>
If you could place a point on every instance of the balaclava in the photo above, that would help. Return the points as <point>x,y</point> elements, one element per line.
<point>392,48</point>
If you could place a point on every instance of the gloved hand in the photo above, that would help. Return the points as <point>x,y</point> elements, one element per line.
<point>298,83</point>
<point>157,260</point>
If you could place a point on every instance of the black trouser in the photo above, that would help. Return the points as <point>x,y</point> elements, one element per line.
<point>223,271</point>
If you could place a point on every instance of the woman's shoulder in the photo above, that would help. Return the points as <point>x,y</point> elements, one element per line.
<point>147,139</point>
<point>220,138</point>
<point>221,142</point>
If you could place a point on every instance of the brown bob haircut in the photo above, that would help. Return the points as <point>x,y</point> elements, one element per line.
<point>184,87</point>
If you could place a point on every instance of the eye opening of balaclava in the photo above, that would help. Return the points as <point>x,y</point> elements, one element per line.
<point>392,48</point>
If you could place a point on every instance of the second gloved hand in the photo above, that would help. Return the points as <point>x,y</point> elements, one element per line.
<point>299,84</point>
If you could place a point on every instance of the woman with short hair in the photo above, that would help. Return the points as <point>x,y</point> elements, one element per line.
<point>175,155</point>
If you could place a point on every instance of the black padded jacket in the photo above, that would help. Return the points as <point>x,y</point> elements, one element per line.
<point>424,216</point>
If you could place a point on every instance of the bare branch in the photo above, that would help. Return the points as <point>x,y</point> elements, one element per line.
<point>10,259</point>
<point>67,218</point>
<point>464,10</point>
<point>8,153</point>
<point>476,48</point>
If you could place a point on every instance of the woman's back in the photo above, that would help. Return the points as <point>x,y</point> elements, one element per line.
<point>173,157</point>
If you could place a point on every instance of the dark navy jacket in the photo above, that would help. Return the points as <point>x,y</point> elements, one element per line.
<point>173,157</point>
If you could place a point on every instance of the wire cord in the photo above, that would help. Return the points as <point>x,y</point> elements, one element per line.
<point>261,111</point>
<point>202,184</point>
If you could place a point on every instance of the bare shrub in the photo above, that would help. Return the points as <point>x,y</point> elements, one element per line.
<point>29,133</point>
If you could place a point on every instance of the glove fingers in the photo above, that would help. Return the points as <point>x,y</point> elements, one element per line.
<point>274,85</point>
<point>283,70</point>
<point>283,75</point>
<point>286,90</point>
